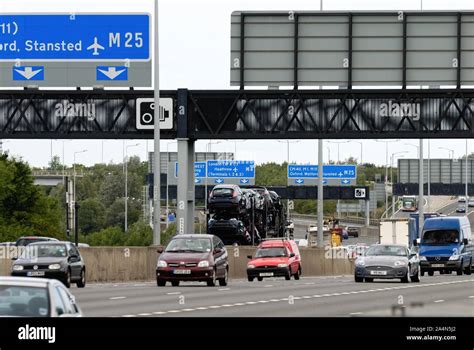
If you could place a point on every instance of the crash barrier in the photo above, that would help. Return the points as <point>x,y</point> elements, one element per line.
<point>121,264</point>
<point>344,220</point>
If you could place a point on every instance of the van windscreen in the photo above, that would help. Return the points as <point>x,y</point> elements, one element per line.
<point>440,237</point>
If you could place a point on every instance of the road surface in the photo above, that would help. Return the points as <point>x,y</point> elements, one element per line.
<point>440,295</point>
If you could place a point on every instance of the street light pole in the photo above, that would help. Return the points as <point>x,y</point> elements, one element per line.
<point>167,181</point>
<point>391,178</point>
<point>466,189</point>
<point>74,194</point>
<point>126,184</point>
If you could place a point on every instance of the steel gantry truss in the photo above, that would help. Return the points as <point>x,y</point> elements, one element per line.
<point>243,114</point>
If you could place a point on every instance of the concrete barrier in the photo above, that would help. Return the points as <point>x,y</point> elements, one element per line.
<point>121,264</point>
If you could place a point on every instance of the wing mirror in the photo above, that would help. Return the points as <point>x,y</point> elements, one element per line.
<point>159,250</point>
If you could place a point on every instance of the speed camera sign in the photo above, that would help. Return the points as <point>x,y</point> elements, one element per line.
<point>359,193</point>
<point>145,113</point>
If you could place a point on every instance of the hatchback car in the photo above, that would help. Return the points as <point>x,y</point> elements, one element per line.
<point>24,241</point>
<point>31,297</point>
<point>227,198</point>
<point>58,260</point>
<point>275,258</point>
<point>461,209</point>
<point>190,257</point>
<point>352,231</point>
<point>387,261</point>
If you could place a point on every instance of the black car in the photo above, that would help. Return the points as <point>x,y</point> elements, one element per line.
<point>230,231</point>
<point>352,231</point>
<point>58,260</point>
<point>227,199</point>
<point>267,198</point>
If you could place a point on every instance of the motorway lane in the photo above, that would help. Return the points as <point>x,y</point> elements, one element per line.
<point>311,296</point>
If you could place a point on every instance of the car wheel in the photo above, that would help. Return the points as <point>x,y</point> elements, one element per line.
<point>175,283</point>
<point>297,274</point>
<point>422,273</point>
<point>82,280</point>
<point>250,279</point>
<point>415,277</point>
<point>467,269</point>
<point>67,280</point>
<point>459,271</point>
<point>160,283</point>
<point>223,281</point>
<point>212,281</point>
<point>405,278</point>
<point>430,273</point>
<point>288,275</point>
<point>369,279</point>
<point>358,279</point>
<point>260,279</point>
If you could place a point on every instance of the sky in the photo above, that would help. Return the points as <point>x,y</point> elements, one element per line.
<point>195,54</point>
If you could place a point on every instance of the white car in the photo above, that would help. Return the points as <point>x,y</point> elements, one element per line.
<point>461,199</point>
<point>36,297</point>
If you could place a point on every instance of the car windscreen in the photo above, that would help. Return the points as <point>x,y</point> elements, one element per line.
<point>386,250</point>
<point>270,252</point>
<point>24,301</point>
<point>440,237</point>
<point>189,245</point>
<point>223,192</point>
<point>44,251</point>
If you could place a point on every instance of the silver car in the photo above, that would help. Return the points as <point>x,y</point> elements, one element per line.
<point>34,297</point>
<point>387,261</point>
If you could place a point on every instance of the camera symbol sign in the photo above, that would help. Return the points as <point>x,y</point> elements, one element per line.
<point>146,110</point>
<point>360,193</point>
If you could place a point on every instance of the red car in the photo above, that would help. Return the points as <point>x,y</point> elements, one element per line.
<point>275,258</point>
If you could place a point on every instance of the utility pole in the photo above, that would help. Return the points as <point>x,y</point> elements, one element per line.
<point>156,137</point>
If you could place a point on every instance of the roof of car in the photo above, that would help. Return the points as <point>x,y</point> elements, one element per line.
<point>38,237</point>
<point>274,243</point>
<point>50,243</point>
<point>225,186</point>
<point>25,281</point>
<point>194,235</point>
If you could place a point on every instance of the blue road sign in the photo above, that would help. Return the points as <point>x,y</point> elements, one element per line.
<point>299,181</point>
<point>199,170</point>
<point>29,73</point>
<point>231,169</point>
<point>345,182</point>
<point>112,73</point>
<point>219,181</point>
<point>197,181</point>
<point>325,182</point>
<point>329,172</point>
<point>82,37</point>
<point>244,181</point>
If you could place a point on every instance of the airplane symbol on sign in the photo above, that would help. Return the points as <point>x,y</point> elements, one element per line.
<point>96,47</point>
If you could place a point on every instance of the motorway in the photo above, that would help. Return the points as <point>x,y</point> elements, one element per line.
<point>440,295</point>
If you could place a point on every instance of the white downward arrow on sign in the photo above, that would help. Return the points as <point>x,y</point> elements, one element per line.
<point>28,73</point>
<point>112,72</point>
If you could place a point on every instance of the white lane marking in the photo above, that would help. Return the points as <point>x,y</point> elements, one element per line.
<point>310,297</point>
<point>268,286</point>
<point>139,285</point>
<point>115,285</point>
<point>223,289</point>
<point>471,297</point>
<point>173,293</point>
<point>117,298</point>
<point>310,283</point>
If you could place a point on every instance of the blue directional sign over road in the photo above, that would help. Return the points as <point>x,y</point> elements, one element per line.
<point>231,171</point>
<point>75,50</point>
<point>338,175</point>
<point>199,170</point>
<point>75,37</point>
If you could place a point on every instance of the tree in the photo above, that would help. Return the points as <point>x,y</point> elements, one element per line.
<point>91,216</point>
<point>55,164</point>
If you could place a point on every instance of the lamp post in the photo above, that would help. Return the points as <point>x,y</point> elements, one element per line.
<point>386,171</point>
<point>167,180</point>
<point>466,188</point>
<point>451,152</point>
<point>74,194</point>
<point>126,184</point>
<point>338,143</point>
<point>288,163</point>
<point>392,157</point>
<point>235,147</point>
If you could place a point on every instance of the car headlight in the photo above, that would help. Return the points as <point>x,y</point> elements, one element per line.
<point>282,265</point>
<point>422,258</point>
<point>400,263</point>
<point>162,263</point>
<point>454,257</point>
<point>17,267</point>
<point>250,266</point>
<point>203,263</point>
<point>54,266</point>
<point>360,262</point>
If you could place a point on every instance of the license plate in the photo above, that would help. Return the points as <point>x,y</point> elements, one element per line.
<point>378,273</point>
<point>182,272</point>
<point>266,274</point>
<point>35,273</point>
<point>437,265</point>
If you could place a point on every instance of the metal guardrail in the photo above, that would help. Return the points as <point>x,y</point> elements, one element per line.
<point>347,219</point>
<point>57,173</point>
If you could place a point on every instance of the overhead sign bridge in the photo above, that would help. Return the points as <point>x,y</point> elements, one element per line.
<point>305,114</point>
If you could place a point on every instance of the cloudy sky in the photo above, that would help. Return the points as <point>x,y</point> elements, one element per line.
<point>195,50</point>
